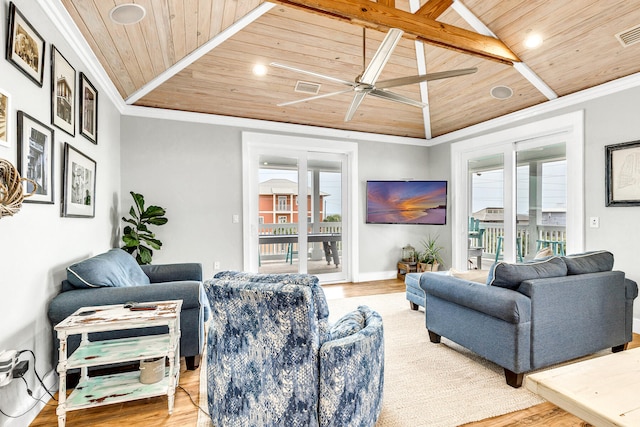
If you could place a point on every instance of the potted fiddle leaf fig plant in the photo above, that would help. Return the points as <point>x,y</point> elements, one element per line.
<point>139,241</point>
<point>430,258</point>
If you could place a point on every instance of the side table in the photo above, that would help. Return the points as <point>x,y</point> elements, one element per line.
<point>107,389</point>
<point>406,267</point>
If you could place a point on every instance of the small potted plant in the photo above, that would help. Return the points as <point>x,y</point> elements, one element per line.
<point>430,258</point>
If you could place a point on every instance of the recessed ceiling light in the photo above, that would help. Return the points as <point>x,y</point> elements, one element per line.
<point>501,92</point>
<point>533,41</point>
<point>260,70</point>
<point>128,13</point>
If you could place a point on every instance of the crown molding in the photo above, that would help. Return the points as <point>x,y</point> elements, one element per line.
<point>268,126</point>
<point>609,88</point>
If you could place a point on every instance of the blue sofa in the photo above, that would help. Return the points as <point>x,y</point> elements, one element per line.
<point>532,315</point>
<point>115,277</point>
<point>273,359</point>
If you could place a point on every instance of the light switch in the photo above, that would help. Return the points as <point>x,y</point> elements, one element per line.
<point>236,218</point>
<point>594,222</point>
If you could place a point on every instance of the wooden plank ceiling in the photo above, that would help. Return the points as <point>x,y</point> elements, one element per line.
<point>579,51</point>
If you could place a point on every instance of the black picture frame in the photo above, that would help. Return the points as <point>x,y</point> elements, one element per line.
<point>63,93</point>
<point>79,192</point>
<point>622,166</point>
<point>5,110</point>
<point>25,46</point>
<point>35,158</point>
<point>88,109</point>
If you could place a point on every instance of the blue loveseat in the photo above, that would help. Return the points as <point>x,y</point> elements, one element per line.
<point>115,277</point>
<point>273,359</point>
<point>532,315</point>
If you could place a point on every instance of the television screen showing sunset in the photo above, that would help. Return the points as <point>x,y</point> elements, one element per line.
<point>407,202</point>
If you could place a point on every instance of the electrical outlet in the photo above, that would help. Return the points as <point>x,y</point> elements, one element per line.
<point>216,265</point>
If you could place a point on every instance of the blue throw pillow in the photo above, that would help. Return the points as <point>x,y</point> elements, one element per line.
<point>115,268</point>
<point>589,262</point>
<point>506,275</point>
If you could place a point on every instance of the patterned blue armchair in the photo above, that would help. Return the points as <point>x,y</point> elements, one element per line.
<point>273,360</point>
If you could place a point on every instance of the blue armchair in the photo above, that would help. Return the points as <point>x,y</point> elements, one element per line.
<point>273,360</point>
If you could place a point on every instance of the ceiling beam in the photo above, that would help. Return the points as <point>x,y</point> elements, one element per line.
<point>434,8</point>
<point>382,18</point>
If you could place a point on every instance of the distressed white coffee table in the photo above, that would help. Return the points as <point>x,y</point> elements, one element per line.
<point>107,389</point>
<point>603,391</point>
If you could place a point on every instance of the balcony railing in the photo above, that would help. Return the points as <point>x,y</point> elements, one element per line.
<point>280,250</point>
<point>528,243</point>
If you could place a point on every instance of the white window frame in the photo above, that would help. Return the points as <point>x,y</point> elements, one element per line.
<point>252,142</point>
<point>568,128</point>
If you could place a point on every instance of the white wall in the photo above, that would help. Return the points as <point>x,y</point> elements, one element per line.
<point>37,244</point>
<point>194,171</point>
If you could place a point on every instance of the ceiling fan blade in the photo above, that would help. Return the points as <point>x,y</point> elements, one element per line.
<point>283,104</point>
<point>357,100</point>
<point>311,73</point>
<point>403,81</point>
<point>391,96</point>
<point>381,56</point>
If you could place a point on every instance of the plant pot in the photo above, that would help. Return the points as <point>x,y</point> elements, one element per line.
<point>422,267</point>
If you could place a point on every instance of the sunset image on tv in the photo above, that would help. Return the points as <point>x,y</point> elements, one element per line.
<point>407,202</point>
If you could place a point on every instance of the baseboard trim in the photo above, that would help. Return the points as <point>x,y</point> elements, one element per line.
<point>376,275</point>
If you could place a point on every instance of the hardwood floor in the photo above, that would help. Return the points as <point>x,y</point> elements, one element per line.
<point>153,411</point>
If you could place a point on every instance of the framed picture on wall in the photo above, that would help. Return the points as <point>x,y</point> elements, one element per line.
<point>622,165</point>
<point>25,47</point>
<point>35,158</point>
<point>79,192</point>
<point>63,93</point>
<point>88,106</point>
<point>5,106</point>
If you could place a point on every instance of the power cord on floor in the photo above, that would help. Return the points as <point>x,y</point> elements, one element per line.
<point>193,401</point>
<point>30,393</point>
<point>36,372</point>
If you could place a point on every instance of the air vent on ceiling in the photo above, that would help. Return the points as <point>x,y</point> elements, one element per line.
<point>307,87</point>
<point>629,36</point>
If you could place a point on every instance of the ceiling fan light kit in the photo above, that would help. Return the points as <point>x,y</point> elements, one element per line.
<point>367,83</point>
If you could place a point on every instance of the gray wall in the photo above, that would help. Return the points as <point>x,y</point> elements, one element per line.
<point>195,172</point>
<point>36,244</point>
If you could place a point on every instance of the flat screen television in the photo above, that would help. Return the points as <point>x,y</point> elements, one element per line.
<point>407,202</point>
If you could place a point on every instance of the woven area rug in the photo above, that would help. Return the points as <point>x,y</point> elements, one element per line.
<point>434,385</point>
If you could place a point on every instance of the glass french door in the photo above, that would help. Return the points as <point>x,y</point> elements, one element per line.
<point>535,164</point>
<point>539,218</point>
<point>298,223</point>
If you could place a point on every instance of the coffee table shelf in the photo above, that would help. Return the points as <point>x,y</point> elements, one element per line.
<point>117,388</point>
<point>109,389</point>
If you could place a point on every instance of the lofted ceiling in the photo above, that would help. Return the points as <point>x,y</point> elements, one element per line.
<point>198,55</point>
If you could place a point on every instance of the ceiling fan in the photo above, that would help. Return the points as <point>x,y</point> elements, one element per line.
<point>367,83</point>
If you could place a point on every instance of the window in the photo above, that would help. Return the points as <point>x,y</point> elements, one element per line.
<point>524,173</point>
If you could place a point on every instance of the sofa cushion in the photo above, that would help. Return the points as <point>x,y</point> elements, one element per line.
<point>589,262</point>
<point>507,275</point>
<point>115,268</point>
<point>349,324</point>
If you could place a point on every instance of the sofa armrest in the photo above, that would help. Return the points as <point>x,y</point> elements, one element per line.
<point>66,303</point>
<point>576,315</point>
<point>501,303</point>
<point>352,370</point>
<point>173,272</point>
